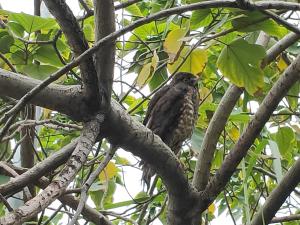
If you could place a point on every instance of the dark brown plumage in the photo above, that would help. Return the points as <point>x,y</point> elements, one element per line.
<point>172,113</point>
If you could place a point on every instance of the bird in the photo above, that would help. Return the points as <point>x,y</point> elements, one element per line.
<point>172,113</point>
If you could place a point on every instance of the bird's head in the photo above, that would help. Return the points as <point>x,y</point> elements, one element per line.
<point>187,78</point>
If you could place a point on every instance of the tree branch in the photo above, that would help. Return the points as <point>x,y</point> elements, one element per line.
<point>285,218</point>
<point>56,97</point>
<point>138,139</point>
<point>88,213</point>
<point>70,27</point>
<point>84,195</point>
<point>265,110</point>
<point>58,185</point>
<point>219,119</point>
<point>104,13</point>
<point>278,196</point>
<point>212,135</point>
<point>111,37</point>
<point>39,170</point>
<point>279,47</point>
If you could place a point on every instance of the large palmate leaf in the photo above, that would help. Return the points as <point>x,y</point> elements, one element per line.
<point>240,63</point>
<point>194,62</point>
<point>32,23</point>
<point>174,43</point>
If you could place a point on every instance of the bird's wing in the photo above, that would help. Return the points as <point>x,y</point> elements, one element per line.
<point>163,118</point>
<point>161,92</point>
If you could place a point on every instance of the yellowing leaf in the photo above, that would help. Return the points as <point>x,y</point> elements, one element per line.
<point>281,64</point>
<point>194,63</point>
<point>174,43</point>
<point>46,113</point>
<point>147,71</point>
<point>3,18</point>
<point>234,133</point>
<point>109,172</point>
<point>204,93</point>
<point>212,208</point>
<point>240,63</point>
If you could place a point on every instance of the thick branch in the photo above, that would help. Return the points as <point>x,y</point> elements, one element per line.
<point>59,184</point>
<point>39,170</point>
<point>278,196</point>
<point>138,139</point>
<point>221,115</point>
<point>269,104</point>
<point>285,218</point>
<point>212,135</point>
<point>88,213</point>
<point>279,47</point>
<point>118,122</point>
<point>176,10</point>
<point>105,58</point>
<point>56,97</point>
<point>68,23</point>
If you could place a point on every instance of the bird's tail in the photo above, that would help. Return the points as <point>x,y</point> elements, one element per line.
<point>148,172</point>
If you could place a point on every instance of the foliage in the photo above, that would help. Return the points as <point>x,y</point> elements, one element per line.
<point>147,58</point>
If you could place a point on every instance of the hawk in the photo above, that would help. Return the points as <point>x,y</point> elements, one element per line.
<point>172,113</point>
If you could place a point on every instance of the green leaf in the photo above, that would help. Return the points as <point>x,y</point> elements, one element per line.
<point>262,144</point>
<point>89,32</point>
<point>253,21</point>
<point>32,23</point>
<point>40,72</point>
<point>294,92</point>
<point>96,197</point>
<point>145,31</point>
<point>198,18</point>
<point>134,10</point>
<point>6,42</point>
<point>240,118</point>
<point>125,203</point>
<point>47,55</point>
<point>284,139</point>
<point>240,63</point>
<point>277,160</point>
<point>159,77</point>
<point>16,28</point>
<point>18,57</point>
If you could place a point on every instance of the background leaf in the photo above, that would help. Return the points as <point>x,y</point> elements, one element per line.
<point>194,63</point>
<point>240,63</point>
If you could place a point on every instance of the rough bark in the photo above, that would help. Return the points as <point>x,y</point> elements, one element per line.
<point>105,58</point>
<point>65,177</point>
<point>39,170</point>
<point>70,27</point>
<point>65,99</point>
<point>266,108</point>
<point>88,213</point>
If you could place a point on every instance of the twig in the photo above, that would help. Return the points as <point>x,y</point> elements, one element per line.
<point>90,181</point>
<point>12,68</point>
<point>121,217</point>
<point>281,21</point>
<point>285,218</point>
<point>3,200</point>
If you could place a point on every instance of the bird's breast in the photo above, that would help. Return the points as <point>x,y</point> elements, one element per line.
<point>187,117</point>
